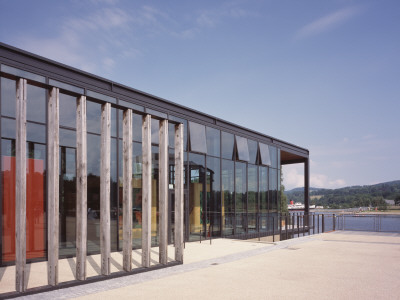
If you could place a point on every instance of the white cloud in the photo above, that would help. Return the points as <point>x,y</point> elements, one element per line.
<point>294,177</point>
<point>328,22</point>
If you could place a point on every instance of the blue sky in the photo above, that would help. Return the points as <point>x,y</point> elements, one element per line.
<point>324,75</point>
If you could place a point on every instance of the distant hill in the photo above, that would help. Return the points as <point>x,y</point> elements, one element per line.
<point>351,196</point>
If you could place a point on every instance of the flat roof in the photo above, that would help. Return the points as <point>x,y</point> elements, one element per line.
<point>24,60</point>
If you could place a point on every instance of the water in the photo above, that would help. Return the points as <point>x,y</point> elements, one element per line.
<point>356,222</point>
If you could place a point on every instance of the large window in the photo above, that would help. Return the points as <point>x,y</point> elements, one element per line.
<point>227,195</point>
<point>213,195</point>
<point>196,200</point>
<point>252,184</point>
<point>35,170</point>
<point>263,186</point>
<point>240,197</point>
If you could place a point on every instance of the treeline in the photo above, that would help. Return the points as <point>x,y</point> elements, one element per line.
<point>354,196</point>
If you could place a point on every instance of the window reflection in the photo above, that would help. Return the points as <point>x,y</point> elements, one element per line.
<point>198,142</point>
<point>8,97</point>
<point>213,141</point>
<point>8,128</point>
<point>93,117</point>
<point>263,184</point>
<point>227,142</point>
<point>36,104</point>
<point>93,193</point>
<point>274,156</point>
<point>35,200</point>
<point>213,196</point>
<point>67,200</point>
<point>36,133</point>
<point>67,110</point>
<point>252,201</point>
<point>265,157</point>
<point>155,127</point>
<point>252,151</point>
<point>240,197</point>
<point>196,199</point>
<point>137,127</point>
<point>242,148</point>
<point>228,206</point>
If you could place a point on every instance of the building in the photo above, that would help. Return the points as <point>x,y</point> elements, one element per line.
<point>83,138</point>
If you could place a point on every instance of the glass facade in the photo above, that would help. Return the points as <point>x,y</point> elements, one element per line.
<point>231,181</point>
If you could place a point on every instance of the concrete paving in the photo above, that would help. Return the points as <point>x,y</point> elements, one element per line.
<point>337,265</point>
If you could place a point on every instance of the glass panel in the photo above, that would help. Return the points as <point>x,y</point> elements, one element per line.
<point>35,200</point>
<point>36,104</point>
<point>227,141</point>
<point>213,196</point>
<point>67,110</point>
<point>8,97</point>
<point>130,105</point>
<point>93,117</point>
<point>23,74</point>
<point>171,135</point>
<point>279,158</point>
<point>228,206</point>
<point>93,193</point>
<point>155,127</point>
<point>114,196</point>
<point>8,199</point>
<point>101,96</point>
<point>137,195</point>
<point>67,87</point>
<point>273,152</point>
<point>242,148</point>
<point>137,127</point>
<point>213,141</point>
<point>273,191</point>
<point>154,196</point>
<point>198,142</point>
<point>114,122</point>
<point>252,151</point>
<point>36,133</point>
<point>8,128</point>
<point>265,157</point>
<point>196,199</point>
<point>67,138</point>
<point>252,185</point>
<point>120,122</point>
<point>67,201</point>
<point>263,183</point>
<point>240,196</point>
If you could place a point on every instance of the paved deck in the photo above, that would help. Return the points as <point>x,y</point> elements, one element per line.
<point>338,265</point>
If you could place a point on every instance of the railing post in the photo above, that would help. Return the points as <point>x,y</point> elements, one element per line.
<point>304,228</point>
<point>323,223</point>
<point>286,226</point>
<point>293,226</point>
<point>273,229</point>
<point>334,222</point>
<point>314,224</point>
<point>298,226</point>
